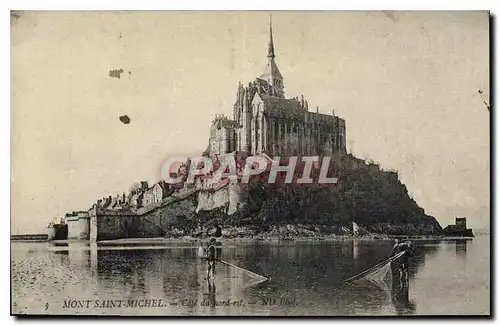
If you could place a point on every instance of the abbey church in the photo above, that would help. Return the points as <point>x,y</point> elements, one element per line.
<point>265,121</point>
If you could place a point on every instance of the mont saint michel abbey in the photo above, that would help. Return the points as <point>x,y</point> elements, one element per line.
<point>265,121</point>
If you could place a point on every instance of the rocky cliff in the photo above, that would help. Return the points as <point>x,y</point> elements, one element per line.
<point>375,199</point>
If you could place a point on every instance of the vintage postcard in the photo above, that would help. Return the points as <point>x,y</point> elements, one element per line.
<point>250,163</point>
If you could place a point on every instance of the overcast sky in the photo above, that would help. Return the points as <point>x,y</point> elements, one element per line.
<point>405,82</point>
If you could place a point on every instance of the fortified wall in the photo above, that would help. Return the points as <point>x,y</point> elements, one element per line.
<point>155,220</point>
<point>230,196</point>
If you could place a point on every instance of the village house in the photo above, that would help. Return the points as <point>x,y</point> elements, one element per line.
<point>148,198</point>
<point>104,203</point>
<point>156,193</point>
<point>137,200</point>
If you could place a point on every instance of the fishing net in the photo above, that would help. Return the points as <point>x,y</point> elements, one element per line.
<point>377,273</point>
<point>378,276</point>
<point>246,277</point>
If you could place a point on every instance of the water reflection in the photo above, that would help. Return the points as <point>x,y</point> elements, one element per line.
<point>400,297</point>
<point>355,248</point>
<point>461,248</point>
<point>211,293</point>
<point>93,259</point>
<point>311,272</point>
<point>78,255</point>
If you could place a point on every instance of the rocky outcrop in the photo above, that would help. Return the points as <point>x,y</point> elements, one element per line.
<point>375,199</point>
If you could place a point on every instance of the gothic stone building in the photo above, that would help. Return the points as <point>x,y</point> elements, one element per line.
<point>264,121</point>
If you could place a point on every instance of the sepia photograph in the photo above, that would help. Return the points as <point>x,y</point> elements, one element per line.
<point>250,163</point>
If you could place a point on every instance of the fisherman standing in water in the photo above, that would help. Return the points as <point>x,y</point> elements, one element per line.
<point>395,248</point>
<point>402,262</point>
<point>211,258</point>
<point>408,249</point>
<point>400,285</point>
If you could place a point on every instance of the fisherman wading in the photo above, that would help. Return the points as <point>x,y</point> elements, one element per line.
<point>401,265</point>
<point>211,258</point>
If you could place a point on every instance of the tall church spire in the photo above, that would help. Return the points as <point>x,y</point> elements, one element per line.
<point>271,74</point>
<point>270,49</point>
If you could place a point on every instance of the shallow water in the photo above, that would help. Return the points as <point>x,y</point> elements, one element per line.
<point>305,278</point>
